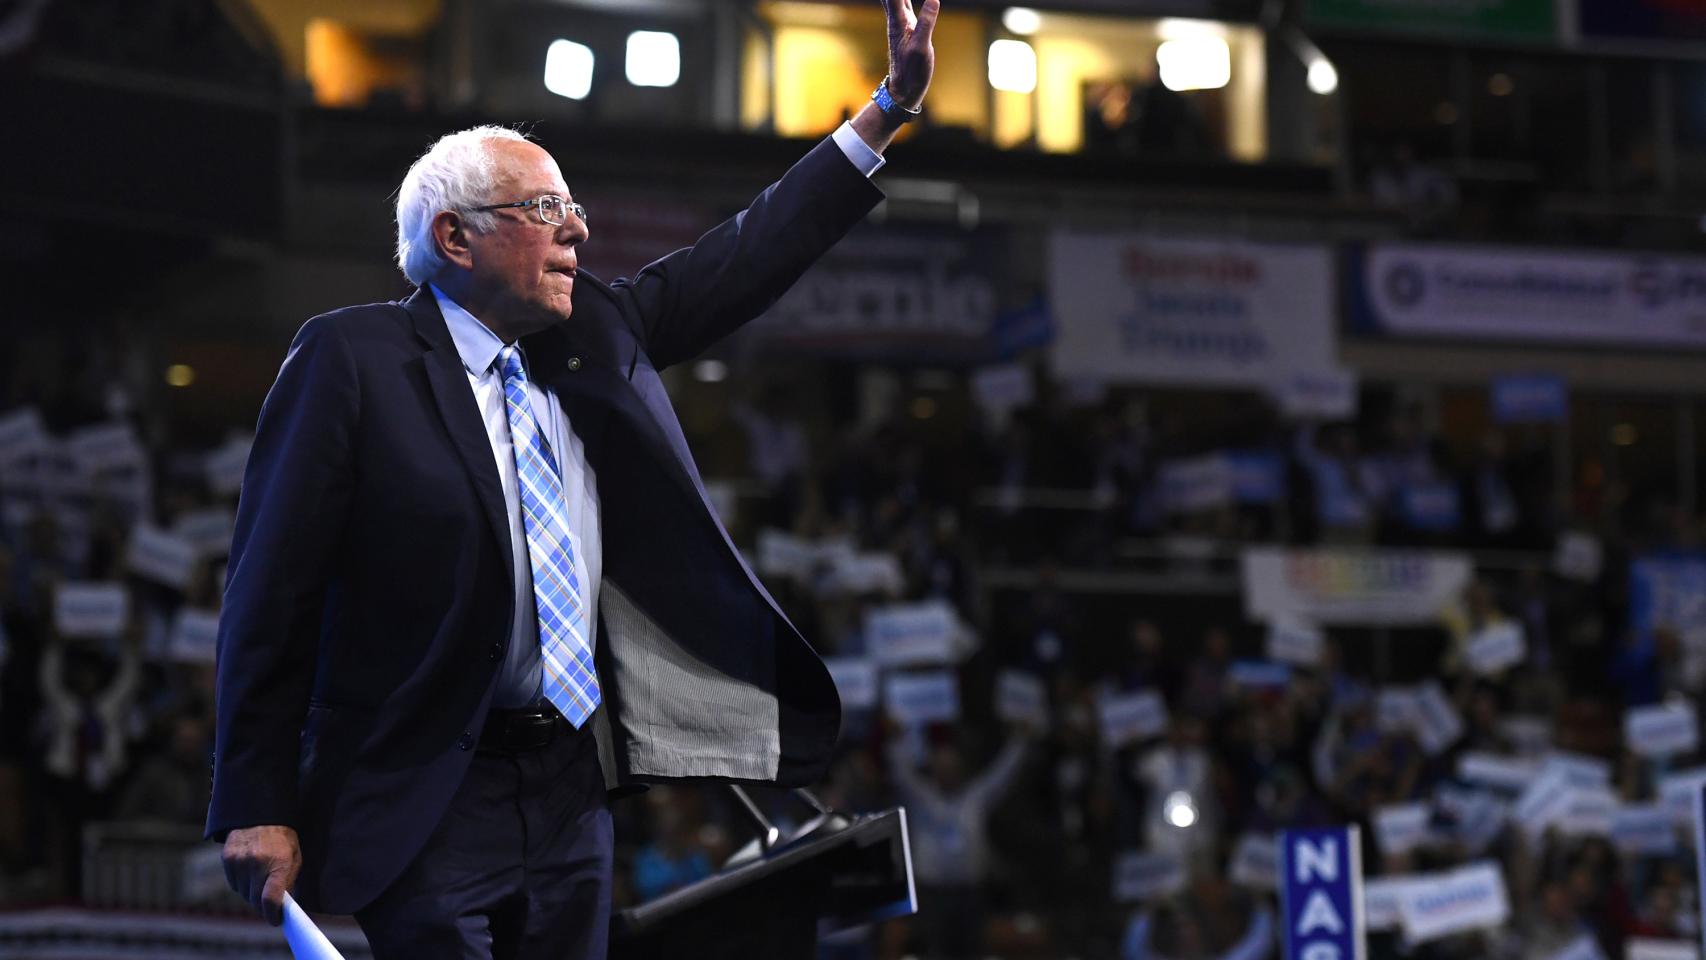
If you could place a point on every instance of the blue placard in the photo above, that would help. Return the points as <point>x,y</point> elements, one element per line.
<point>1321,894</point>
<point>1530,398</point>
<point>1258,476</point>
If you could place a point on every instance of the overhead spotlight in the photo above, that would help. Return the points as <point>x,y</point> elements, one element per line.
<point>654,58</point>
<point>1012,66</point>
<point>180,375</point>
<point>1195,63</point>
<point>568,69</point>
<point>1323,77</point>
<point>1021,20</point>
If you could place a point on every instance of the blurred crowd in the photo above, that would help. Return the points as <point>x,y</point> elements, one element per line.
<point>1085,544</point>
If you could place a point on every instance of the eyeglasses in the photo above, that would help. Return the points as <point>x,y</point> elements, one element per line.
<point>553,210</point>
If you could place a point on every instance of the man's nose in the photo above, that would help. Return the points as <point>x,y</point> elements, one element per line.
<point>573,231</point>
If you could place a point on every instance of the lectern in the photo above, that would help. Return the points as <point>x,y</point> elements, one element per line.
<point>835,872</point>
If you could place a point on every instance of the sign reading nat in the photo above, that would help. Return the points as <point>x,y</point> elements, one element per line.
<point>1321,894</point>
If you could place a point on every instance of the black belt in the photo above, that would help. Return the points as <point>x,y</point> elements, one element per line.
<point>525,729</point>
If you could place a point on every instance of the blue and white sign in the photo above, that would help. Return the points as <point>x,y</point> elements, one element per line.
<point>1468,898</point>
<point>1136,308</point>
<point>1321,898</point>
<point>89,609</point>
<point>1318,394</point>
<point>1259,675</point>
<point>1258,476</point>
<point>1021,698</point>
<point>162,557</point>
<point>1645,829</point>
<point>209,530</point>
<point>902,634</point>
<point>1196,484</point>
<point>1401,828</point>
<point>1509,774</point>
<point>224,466</point>
<point>914,699</point>
<point>1678,792</point>
<point>1496,648</point>
<point>855,680</point>
<point>1255,861</point>
<point>1128,718</point>
<point>1530,398</point>
<point>1662,730</point>
<point>1295,643</point>
<point>194,636</point>
<point>1140,875</point>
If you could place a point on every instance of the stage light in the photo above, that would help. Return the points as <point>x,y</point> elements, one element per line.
<point>1012,66</point>
<point>654,58</point>
<point>1179,809</point>
<point>710,371</point>
<point>1021,20</point>
<point>180,374</point>
<point>1323,78</point>
<point>568,69</point>
<point>1195,63</point>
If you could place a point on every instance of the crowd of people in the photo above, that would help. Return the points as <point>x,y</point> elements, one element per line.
<point>1036,832</point>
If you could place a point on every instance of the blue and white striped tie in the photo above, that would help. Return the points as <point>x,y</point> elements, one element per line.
<point>570,682</point>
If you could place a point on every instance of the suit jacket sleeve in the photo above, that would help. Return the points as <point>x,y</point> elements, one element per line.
<point>290,518</point>
<point>694,297</point>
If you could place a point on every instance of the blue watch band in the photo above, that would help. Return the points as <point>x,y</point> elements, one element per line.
<point>886,103</point>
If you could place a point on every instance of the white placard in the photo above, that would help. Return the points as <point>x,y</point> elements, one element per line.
<point>1196,484</point>
<point>90,609</point>
<point>106,446</point>
<point>1380,901</point>
<point>904,634</point>
<point>161,556</point>
<point>1646,948</point>
<point>1496,647</point>
<point>1527,734</point>
<point>1145,876</point>
<point>781,554</point>
<point>1510,774</point>
<point>1021,698</point>
<point>855,680</point>
<point>1438,724</point>
<point>1255,861</point>
<point>1323,394</point>
<point>1662,730</point>
<point>1468,898</point>
<point>1587,811</point>
<point>864,573</point>
<point>1578,556</point>
<point>1645,829</point>
<point>1402,828</point>
<point>1131,717</point>
<point>22,434</point>
<point>1677,791</point>
<point>1542,802</point>
<point>1295,644</point>
<point>224,466</point>
<point>1362,588</point>
<point>194,636</point>
<point>919,698</point>
<point>209,530</point>
<point>998,390</point>
<point>1578,769</point>
<point>1584,947</point>
<point>1480,817</point>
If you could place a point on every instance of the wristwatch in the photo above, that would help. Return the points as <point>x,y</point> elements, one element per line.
<point>886,103</point>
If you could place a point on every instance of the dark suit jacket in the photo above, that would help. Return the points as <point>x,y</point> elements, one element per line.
<point>369,595</point>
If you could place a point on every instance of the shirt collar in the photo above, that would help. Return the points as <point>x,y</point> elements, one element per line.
<point>475,342</point>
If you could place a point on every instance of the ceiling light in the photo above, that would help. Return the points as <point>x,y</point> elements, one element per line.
<point>1198,63</point>
<point>1022,20</point>
<point>654,58</point>
<point>1012,66</point>
<point>1323,78</point>
<point>568,69</point>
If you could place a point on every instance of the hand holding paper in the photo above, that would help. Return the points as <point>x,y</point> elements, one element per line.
<point>305,939</point>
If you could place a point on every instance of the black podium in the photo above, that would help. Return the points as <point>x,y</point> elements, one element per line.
<point>842,873</point>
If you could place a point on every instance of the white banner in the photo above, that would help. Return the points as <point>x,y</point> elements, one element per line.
<point>194,636</point>
<point>913,699</point>
<point>1510,774</point>
<point>1295,643</point>
<point>1538,296</point>
<point>1578,769</point>
<point>161,557</point>
<point>1496,647</point>
<point>903,634</point>
<point>1131,717</point>
<point>89,609</point>
<point>1645,948</point>
<point>1468,898</point>
<point>1145,876</point>
<point>1317,394</point>
<point>1401,828</point>
<point>1662,730</point>
<point>1255,861</point>
<point>1021,698</point>
<point>1354,587</point>
<point>1141,309</point>
<point>1644,829</point>
<point>855,680</point>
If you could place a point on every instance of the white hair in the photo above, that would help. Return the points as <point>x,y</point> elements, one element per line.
<point>456,173</point>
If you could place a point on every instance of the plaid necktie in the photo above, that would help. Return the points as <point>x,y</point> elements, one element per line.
<point>570,682</point>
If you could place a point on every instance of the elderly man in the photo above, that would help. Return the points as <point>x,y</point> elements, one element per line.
<point>476,581</point>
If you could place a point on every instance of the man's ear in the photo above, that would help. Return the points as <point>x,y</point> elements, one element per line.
<point>450,234</point>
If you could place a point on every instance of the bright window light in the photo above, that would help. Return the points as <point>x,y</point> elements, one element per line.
<point>1323,79</point>
<point>568,69</point>
<point>654,58</point>
<point>1012,66</point>
<point>1199,63</point>
<point>1022,20</point>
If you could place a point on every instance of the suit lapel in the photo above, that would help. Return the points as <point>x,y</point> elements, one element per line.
<point>455,401</point>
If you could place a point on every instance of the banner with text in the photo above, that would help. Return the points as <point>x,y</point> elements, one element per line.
<point>1357,587</point>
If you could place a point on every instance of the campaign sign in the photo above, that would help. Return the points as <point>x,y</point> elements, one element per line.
<point>90,609</point>
<point>1131,717</point>
<point>1578,556</point>
<point>1317,394</point>
<point>1255,861</point>
<point>1645,829</point>
<point>1380,899</point>
<point>1510,774</point>
<point>1578,769</point>
<point>920,698</point>
<point>855,680</point>
<point>1021,698</point>
<point>1145,876</point>
<point>1199,483</point>
<point>1584,947</point>
<point>22,434</point>
<point>224,467</point>
<point>1321,897</point>
<point>209,531</point>
<point>1438,724</point>
<point>863,573</point>
<point>1401,828</point>
<point>194,636</point>
<point>998,390</point>
<point>1468,898</point>
<point>1295,644</point>
<point>1651,948</point>
<point>1259,674</point>
<point>1530,398</point>
<point>911,633</point>
<point>1678,791</point>
<point>106,446</point>
<point>1497,647</point>
<point>161,556</point>
<point>1662,730</point>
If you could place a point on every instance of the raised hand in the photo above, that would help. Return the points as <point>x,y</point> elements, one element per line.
<point>912,58</point>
